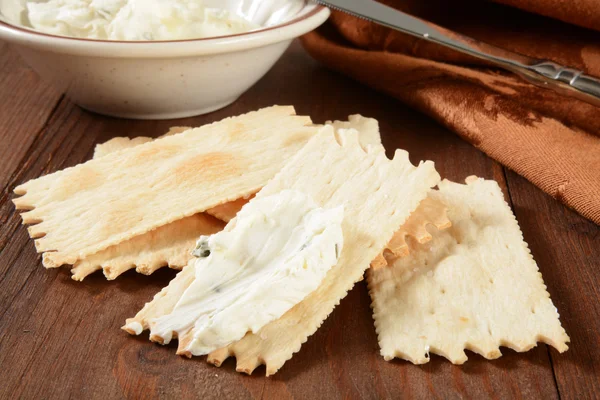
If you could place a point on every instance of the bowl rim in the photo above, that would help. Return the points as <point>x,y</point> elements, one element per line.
<point>306,21</point>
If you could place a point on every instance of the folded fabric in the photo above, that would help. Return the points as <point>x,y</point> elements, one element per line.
<point>552,140</point>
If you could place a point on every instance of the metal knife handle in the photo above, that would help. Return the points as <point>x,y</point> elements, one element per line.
<point>547,74</point>
<point>566,80</point>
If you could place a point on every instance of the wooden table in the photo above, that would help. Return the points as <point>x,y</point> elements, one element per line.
<point>61,339</point>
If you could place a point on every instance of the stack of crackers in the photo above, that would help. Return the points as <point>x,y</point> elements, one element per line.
<point>446,264</point>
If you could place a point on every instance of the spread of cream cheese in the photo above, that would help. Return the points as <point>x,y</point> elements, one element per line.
<point>277,251</point>
<point>132,19</point>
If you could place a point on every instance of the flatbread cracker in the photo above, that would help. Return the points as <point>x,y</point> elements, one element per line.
<point>163,302</point>
<point>430,212</point>
<point>170,245</point>
<point>368,128</point>
<point>366,184</point>
<point>224,212</point>
<point>474,286</point>
<point>369,135</point>
<point>90,207</point>
<point>120,143</point>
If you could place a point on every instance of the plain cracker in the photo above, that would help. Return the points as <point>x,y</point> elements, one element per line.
<point>118,143</point>
<point>367,127</point>
<point>121,142</point>
<point>474,286</point>
<point>169,245</point>
<point>224,212</point>
<point>430,212</point>
<point>90,207</point>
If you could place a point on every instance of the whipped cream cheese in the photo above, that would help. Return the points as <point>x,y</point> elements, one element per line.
<point>132,19</point>
<point>277,251</point>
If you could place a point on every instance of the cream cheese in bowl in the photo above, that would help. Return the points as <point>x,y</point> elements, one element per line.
<point>133,19</point>
<point>148,20</point>
<point>154,59</point>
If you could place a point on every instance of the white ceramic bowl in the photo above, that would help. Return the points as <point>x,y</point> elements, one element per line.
<point>159,80</point>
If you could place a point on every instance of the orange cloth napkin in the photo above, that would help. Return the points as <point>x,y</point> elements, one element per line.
<point>551,140</point>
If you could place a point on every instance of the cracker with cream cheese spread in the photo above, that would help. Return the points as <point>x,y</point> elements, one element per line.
<point>474,286</point>
<point>332,173</point>
<point>163,302</point>
<point>90,207</point>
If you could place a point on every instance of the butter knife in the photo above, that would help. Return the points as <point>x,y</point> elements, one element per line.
<point>544,73</point>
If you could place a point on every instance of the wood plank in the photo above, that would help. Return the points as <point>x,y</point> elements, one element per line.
<point>25,105</point>
<point>567,249</point>
<point>59,338</point>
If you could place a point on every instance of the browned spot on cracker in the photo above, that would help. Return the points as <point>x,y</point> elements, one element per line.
<point>204,167</point>
<point>293,138</point>
<point>165,150</point>
<point>236,130</point>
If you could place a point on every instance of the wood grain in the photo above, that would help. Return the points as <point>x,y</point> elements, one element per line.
<point>21,90</point>
<point>567,249</point>
<point>61,339</point>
